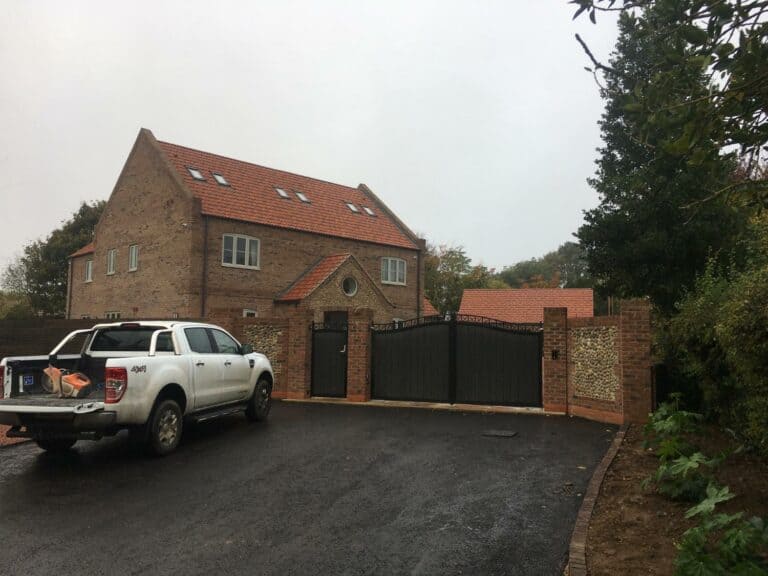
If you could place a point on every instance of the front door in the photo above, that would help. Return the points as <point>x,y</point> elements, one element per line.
<point>329,356</point>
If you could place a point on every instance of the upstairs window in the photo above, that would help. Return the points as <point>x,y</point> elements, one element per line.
<point>302,197</point>
<point>89,270</point>
<point>111,259</point>
<point>220,179</point>
<point>369,211</point>
<point>195,173</point>
<point>133,257</point>
<point>282,193</point>
<point>393,271</point>
<point>240,251</point>
<point>352,207</point>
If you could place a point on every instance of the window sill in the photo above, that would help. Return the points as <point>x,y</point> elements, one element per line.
<point>242,266</point>
<point>110,274</point>
<point>394,283</point>
<point>132,269</point>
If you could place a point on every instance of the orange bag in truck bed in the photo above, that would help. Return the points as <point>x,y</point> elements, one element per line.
<point>74,385</point>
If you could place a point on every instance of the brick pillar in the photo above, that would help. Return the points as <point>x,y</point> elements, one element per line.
<point>298,374</point>
<point>359,355</point>
<point>555,360</point>
<point>635,354</point>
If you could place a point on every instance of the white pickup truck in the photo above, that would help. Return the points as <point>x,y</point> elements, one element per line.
<point>147,377</point>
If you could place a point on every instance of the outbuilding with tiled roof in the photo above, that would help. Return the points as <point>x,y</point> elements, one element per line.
<point>526,305</point>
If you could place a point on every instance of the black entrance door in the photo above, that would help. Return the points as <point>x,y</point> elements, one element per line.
<point>329,357</point>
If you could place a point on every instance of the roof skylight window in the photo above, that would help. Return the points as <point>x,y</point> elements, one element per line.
<point>369,211</point>
<point>302,197</point>
<point>352,207</point>
<point>195,173</point>
<point>282,193</point>
<point>220,179</point>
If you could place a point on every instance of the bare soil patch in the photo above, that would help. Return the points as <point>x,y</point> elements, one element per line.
<point>634,531</point>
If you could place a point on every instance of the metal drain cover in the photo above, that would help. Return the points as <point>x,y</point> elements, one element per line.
<point>500,433</point>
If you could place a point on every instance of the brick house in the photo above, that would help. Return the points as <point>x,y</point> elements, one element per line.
<point>526,304</point>
<point>189,234</point>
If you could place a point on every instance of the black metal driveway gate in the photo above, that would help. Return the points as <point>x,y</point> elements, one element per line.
<point>465,359</point>
<point>329,360</point>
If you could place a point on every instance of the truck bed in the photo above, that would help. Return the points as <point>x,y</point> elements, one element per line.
<point>51,400</point>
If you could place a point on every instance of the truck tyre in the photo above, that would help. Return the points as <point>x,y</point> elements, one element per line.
<point>55,444</point>
<point>165,428</point>
<point>260,402</point>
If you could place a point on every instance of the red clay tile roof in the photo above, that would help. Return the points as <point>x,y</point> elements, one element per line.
<point>526,304</point>
<point>87,249</point>
<point>251,197</point>
<point>427,309</point>
<point>313,278</point>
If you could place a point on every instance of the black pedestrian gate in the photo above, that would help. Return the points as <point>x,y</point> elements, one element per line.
<point>329,360</point>
<point>464,359</point>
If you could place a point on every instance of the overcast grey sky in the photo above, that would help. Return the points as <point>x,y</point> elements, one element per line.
<point>475,121</point>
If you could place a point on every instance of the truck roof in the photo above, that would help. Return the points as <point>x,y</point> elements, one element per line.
<point>151,324</point>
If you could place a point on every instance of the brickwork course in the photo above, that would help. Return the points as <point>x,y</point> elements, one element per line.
<point>178,224</point>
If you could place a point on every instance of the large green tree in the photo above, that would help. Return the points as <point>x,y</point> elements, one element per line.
<point>657,222</point>
<point>39,275</point>
<point>727,40</point>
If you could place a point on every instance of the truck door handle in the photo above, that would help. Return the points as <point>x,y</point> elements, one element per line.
<point>227,363</point>
<point>343,350</point>
<point>200,364</point>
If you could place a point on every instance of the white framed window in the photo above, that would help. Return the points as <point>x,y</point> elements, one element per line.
<point>240,251</point>
<point>220,179</point>
<point>352,207</point>
<point>88,271</point>
<point>301,196</point>
<point>282,193</point>
<point>249,313</point>
<point>133,257</point>
<point>111,260</point>
<point>112,315</point>
<point>369,211</point>
<point>195,173</point>
<point>393,271</point>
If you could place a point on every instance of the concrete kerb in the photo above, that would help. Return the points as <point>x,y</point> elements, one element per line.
<point>424,405</point>
<point>577,550</point>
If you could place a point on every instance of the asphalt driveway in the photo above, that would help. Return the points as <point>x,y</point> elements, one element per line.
<point>319,489</point>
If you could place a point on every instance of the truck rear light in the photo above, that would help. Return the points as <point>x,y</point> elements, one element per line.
<point>115,385</point>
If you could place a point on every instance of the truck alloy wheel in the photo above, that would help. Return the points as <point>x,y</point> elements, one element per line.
<point>260,403</point>
<point>165,432</point>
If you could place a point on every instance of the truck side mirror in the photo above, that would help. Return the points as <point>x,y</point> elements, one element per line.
<point>246,349</point>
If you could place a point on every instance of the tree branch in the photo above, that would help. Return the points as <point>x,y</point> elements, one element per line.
<point>597,64</point>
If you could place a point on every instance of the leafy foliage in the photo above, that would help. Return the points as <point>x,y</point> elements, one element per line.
<point>718,339</point>
<point>653,231</point>
<point>724,545</point>
<point>39,275</point>
<point>565,267</point>
<point>727,41</point>
<point>448,271</point>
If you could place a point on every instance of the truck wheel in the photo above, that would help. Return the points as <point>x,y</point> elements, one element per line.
<point>165,428</point>
<point>260,402</point>
<point>55,444</point>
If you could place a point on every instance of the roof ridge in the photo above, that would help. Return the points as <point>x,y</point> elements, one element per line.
<point>260,165</point>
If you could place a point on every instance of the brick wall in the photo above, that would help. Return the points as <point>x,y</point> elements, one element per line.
<point>603,365</point>
<point>284,256</point>
<point>555,360</point>
<point>359,356</point>
<point>37,336</point>
<point>149,207</point>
